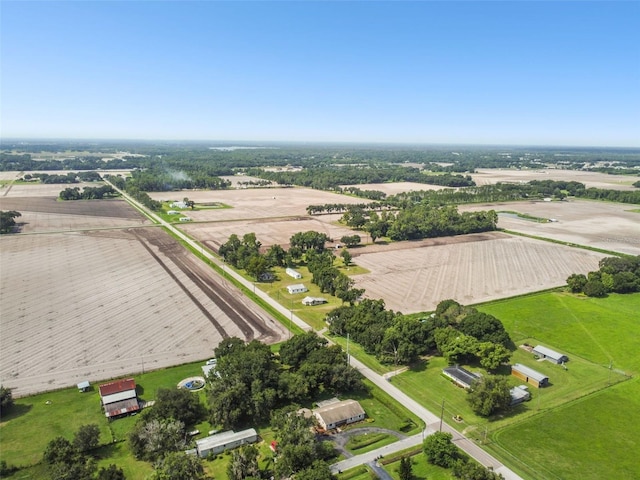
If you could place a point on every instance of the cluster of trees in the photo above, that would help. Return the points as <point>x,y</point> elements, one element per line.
<point>299,455</point>
<point>162,429</point>
<point>7,220</point>
<point>489,395</point>
<point>458,333</point>
<point>72,177</point>
<point>249,382</point>
<point>440,450</point>
<point>304,246</point>
<point>6,400</point>
<point>420,221</point>
<point>615,274</point>
<point>135,192</point>
<point>331,177</point>
<point>71,460</point>
<point>88,193</point>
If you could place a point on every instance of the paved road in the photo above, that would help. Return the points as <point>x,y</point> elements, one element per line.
<point>431,421</point>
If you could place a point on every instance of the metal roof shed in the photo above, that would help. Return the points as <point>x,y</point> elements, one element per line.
<point>529,375</point>
<point>550,355</point>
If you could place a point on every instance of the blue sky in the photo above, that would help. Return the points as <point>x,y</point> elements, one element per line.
<point>534,73</point>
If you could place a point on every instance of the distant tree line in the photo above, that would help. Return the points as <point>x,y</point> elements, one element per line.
<point>88,193</point>
<point>615,275</point>
<point>333,177</point>
<point>74,177</point>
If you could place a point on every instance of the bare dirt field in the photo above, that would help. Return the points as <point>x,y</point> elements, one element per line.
<point>268,232</point>
<point>254,203</point>
<point>470,269</point>
<point>40,189</point>
<point>605,225</point>
<point>47,214</point>
<point>490,176</point>
<point>99,304</point>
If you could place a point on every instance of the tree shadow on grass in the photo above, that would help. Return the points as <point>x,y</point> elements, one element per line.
<point>17,410</point>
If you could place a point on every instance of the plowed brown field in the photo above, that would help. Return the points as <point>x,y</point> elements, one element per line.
<point>103,303</point>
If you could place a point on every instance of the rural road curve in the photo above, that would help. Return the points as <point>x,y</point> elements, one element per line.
<point>431,421</point>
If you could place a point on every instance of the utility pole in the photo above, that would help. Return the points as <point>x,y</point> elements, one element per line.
<point>441,414</point>
<point>348,359</point>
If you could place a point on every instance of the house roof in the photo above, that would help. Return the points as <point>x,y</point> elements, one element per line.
<point>297,286</point>
<point>117,386</point>
<point>529,372</point>
<point>213,441</point>
<point>339,411</point>
<point>547,352</point>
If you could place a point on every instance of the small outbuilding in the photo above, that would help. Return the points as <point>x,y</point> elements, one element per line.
<point>550,355</point>
<point>529,375</point>
<point>310,301</point>
<point>460,376</point>
<point>84,386</point>
<point>339,413</point>
<point>221,442</point>
<point>297,288</point>
<point>293,273</point>
<point>519,394</point>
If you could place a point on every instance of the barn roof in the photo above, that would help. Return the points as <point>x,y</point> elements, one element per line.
<point>529,372</point>
<point>339,411</point>
<point>124,406</point>
<point>547,352</point>
<point>117,386</point>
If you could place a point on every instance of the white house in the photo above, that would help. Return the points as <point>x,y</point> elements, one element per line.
<point>293,273</point>
<point>339,413</point>
<point>297,288</point>
<point>309,301</point>
<point>223,441</point>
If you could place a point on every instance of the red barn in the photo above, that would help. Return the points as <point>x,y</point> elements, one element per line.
<point>119,397</point>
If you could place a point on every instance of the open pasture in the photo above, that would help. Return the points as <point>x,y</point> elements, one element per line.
<point>87,306</point>
<point>252,203</point>
<point>485,267</point>
<point>490,176</point>
<point>606,225</point>
<point>594,437</point>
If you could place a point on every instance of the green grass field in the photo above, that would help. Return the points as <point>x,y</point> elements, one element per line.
<point>595,436</point>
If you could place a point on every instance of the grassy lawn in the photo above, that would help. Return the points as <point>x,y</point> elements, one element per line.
<point>592,437</point>
<point>33,422</point>
<point>366,442</point>
<point>421,469</point>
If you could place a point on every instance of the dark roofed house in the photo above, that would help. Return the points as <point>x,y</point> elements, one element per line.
<point>550,355</point>
<point>460,376</point>
<point>119,397</point>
